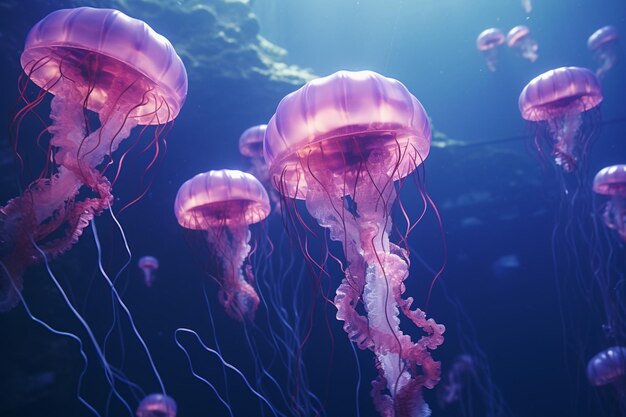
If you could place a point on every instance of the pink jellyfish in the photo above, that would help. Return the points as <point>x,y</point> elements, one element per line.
<point>148,264</point>
<point>488,42</point>
<point>519,38</point>
<point>603,45</point>
<point>107,73</point>
<point>343,140</point>
<point>611,182</point>
<point>157,405</point>
<point>557,99</point>
<point>224,203</point>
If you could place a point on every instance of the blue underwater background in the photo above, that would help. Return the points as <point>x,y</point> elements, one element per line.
<point>519,295</point>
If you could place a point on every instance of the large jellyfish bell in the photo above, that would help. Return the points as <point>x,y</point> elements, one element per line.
<point>224,203</point>
<point>349,136</point>
<point>488,42</point>
<point>557,99</point>
<point>603,44</point>
<point>95,62</point>
<point>611,182</point>
<point>519,37</point>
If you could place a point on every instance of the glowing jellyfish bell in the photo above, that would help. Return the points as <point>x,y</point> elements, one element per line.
<point>96,61</point>
<point>148,264</point>
<point>224,203</point>
<point>557,100</point>
<point>519,38</point>
<point>157,405</point>
<point>488,42</point>
<point>611,182</point>
<point>603,44</point>
<point>346,138</point>
<point>607,367</point>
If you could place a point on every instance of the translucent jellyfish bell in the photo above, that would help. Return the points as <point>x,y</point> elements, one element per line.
<point>157,405</point>
<point>224,203</point>
<point>603,45</point>
<point>488,42</point>
<point>607,367</point>
<point>611,182</point>
<point>520,39</point>
<point>558,99</point>
<point>148,264</point>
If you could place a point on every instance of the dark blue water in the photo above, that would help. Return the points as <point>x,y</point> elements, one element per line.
<point>514,296</point>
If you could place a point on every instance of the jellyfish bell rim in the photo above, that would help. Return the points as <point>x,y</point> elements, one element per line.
<point>292,129</point>
<point>610,180</point>
<point>489,39</point>
<point>200,192</point>
<point>49,36</point>
<point>604,35</point>
<point>249,138</point>
<point>571,89</point>
<point>516,34</point>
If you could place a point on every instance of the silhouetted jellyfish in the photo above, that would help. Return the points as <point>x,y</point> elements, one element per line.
<point>95,62</point>
<point>603,44</point>
<point>224,203</point>
<point>339,143</point>
<point>157,405</point>
<point>488,42</point>
<point>611,182</point>
<point>148,264</point>
<point>519,38</point>
<point>557,100</point>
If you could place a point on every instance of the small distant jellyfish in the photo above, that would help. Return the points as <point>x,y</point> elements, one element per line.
<point>488,42</point>
<point>251,146</point>
<point>603,45</point>
<point>519,38</point>
<point>556,100</point>
<point>527,6</point>
<point>224,203</point>
<point>456,380</point>
<point>611,182</point>
<point>157,405</point>
<point>607,367</point>
<point>148,264</point>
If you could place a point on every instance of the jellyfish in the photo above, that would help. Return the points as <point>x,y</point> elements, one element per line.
<point>611,182</point>
<point>223,204</point>
<point>148,264</point>
<point>557,99</point>
<point>488,42</point>
<point>527,6</point>
<point>251,146</point>
<point>603,45</point>
<point>607,366</point>
<point>455,380</point>
<point>107,73</point>
<point>157,405</point>
<point>519,38</point>
<point>339,143</point>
